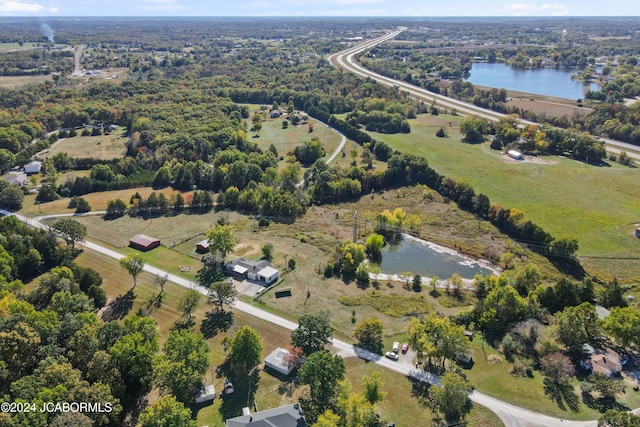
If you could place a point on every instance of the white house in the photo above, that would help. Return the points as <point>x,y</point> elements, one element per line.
<point>33,167</point>
<point>260,271</point>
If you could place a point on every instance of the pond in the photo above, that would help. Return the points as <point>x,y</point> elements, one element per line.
<point>428,259</point>
<point>542,81</point>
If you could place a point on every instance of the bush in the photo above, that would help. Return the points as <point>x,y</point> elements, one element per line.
<point>440,133</point>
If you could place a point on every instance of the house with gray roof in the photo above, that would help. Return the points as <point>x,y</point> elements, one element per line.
<point>284,416</point>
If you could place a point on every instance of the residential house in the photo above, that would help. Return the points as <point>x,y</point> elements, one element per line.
<point>33,167</point>
<point>261,271</point>
<point>284,416</point>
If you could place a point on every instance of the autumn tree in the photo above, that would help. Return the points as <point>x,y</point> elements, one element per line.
<point>321,372</point>
<point>179,371</point>
<point>369,334</point>
<point>71,230</point>
<point>245,350</point>
<point>133,264</point>
<point>221,239</point>
<point>313,333</point>
<point>221,293</point>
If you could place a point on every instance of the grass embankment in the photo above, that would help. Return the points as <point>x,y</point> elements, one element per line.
<point>596,204</point>
<point>400,405</point>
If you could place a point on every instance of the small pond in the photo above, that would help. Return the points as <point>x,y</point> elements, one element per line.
<point>428,260</point>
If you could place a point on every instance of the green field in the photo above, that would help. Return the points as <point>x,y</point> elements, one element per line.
<point>104,147</point>
<point>597,204</point>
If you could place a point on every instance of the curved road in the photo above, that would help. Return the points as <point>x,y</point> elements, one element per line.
<point>511,415</point>
<point>344,60</point>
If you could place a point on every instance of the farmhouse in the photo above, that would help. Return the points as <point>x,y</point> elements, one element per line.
<point>142,242</point>
<point>32,167</point>
<point>607,362</point>
<point>260,271</point>
<point>17,178</point>
<point>202,246</point>
<point>277,361</point>
<point>284,416</point>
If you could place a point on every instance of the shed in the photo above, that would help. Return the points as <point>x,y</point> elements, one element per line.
<point>33,167</point>
<point>202,246</point>
<point>274,114</point>
<point>277,361</point>
<point>142,242</point>
<point>206,394</point>
<point>515,154</point>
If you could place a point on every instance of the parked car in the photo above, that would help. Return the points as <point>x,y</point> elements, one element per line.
<point>405,348</point>
<point>396,347</point>
<point>228,386</point>
<point>391,355</point>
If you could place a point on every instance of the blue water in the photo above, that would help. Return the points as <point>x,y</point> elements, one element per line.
<point>541,81</point>
<point>427,260</point>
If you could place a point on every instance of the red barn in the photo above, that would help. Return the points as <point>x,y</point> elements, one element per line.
<point>142,242</point>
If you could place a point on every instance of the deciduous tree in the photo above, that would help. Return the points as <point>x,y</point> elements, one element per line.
<point>313,333</point>
<point>71,230</point>
<point>134,264</point>
<point>369,334</point>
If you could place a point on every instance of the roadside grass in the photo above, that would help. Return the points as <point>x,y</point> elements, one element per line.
<point>596,204</point>
<point>391,304</point>
<point>270,391</point>
<point>103,147</point>
<point>493,378</point>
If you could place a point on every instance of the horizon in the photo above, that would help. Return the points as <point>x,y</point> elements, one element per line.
<point>319,8</point>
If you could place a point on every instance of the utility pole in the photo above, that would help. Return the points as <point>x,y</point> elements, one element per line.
<point>355,227</point>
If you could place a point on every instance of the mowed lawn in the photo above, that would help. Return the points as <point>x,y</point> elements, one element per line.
<point>597,204</point>
<point>400,405</point>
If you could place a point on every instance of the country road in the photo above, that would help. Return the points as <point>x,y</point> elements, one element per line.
<point>511,415</point>
<point>344,60</point>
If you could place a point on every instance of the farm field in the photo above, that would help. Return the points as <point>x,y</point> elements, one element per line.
<point>14,82</point>
<point>103,147</point>
<point>596,204</point>
<point>400,405</point>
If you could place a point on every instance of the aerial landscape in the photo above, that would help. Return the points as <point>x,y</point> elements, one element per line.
<point>339,213</point>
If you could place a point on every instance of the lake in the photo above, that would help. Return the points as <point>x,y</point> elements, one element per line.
<point>429,260</point>
<point>542,81</point>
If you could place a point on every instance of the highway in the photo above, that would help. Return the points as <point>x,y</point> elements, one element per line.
<point>344,60</point>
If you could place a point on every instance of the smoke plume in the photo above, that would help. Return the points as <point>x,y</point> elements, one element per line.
<point>48,31</point>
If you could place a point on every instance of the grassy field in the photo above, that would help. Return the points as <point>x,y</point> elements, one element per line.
<point>493,378</point>
<point>14,82</point>
<point>596,204</point>
<point>103,147</point>
<point>270,391</point>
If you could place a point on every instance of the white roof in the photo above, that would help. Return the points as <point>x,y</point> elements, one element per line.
<point>240,269</point>
<point>268,272</point>
<point>206,393</point>
<point>204,243</point>
<point>275,361</point>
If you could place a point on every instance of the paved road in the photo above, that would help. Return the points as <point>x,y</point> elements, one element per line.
<point>511,415</point>
<point>344,60</point>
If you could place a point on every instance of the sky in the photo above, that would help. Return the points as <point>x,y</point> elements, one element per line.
<point>303,8</point>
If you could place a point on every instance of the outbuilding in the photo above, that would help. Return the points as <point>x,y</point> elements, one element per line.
<point>202,246</point>
<point>277,361</point>
<point>33,167</point>
<point>142,242</point>
<point>206,394</point>
<point>515,154</point>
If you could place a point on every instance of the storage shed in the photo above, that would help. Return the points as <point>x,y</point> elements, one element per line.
<point>206,394</point>
<point>277,361</point>
<point>142,242</point>
<point>32,167</point>
<point>515,154</point>
<point>202,246</point>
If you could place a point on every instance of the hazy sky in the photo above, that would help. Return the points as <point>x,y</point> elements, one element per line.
<point>319,8</point>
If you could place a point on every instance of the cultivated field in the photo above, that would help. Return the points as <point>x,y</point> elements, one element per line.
<point>596,204</point>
